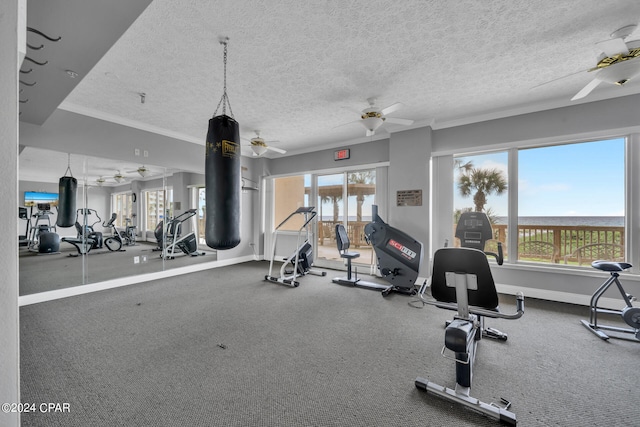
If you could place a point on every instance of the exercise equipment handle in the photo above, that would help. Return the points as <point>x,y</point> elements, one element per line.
<point>482,311</point>
<point>499,256</point>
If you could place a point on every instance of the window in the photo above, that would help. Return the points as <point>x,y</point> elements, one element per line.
<point>571,203</point>
<point>290,193</point>
<point>481,185</point>
<point>570,200</point>
<point>122,206</point>
<point>155,204</point>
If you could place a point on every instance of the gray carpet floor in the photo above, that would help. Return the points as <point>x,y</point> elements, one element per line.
<point>223,347</point>
<point>48,272</point>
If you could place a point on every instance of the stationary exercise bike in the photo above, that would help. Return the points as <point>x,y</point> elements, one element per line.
<point>630,314</point>
<point>114,242</point>
<point>462,281</point>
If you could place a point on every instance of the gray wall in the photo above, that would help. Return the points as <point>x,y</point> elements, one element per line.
<point>9,332</point>
<point>409,154</point>
<point>591,120</point>
<point>361,154</point>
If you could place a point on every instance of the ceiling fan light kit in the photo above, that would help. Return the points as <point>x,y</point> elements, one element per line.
<point>617,64</point>
<point>143,171</point>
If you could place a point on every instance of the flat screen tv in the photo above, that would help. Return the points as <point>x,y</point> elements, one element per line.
<point>34,198</point>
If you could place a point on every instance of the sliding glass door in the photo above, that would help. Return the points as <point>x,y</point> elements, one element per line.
<point>344,198</point>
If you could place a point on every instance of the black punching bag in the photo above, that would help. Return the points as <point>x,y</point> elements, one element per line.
<point>67,201</point>
<point>223,183</point>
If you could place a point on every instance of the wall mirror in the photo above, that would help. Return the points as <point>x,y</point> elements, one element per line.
<point>124,209</point>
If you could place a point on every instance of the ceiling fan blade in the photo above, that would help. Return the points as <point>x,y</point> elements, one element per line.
<point>277,150</point>
<point>405,122</point>
<point>348,123</point>
<point>391,108</point>
<point>587,89</point>
<point>559,78</point>
<point>613,47</point>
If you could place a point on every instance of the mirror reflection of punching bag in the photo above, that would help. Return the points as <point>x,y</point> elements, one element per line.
<point>67,187</point>
<point>223,183</point>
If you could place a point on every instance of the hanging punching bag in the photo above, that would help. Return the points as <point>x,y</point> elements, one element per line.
<point>67,201</point>
<point>223,183</point>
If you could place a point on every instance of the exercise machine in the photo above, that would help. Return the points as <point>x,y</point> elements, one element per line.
<point>343,242</point>
<point>42,236</point>
<point>113,242</point>
<point>473,230</point>
<point>398,255</point>
<point>462,281</point>
<point>87,238</point>
<point>129,233</point>
<point>630,314</point>
<point>23,214</point>
<point>301,260</point>
<point>174,242</point>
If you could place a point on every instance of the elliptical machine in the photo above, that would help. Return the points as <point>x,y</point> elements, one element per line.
<point>172,242</point>
<point>113,242</point>
<point>87,237</point>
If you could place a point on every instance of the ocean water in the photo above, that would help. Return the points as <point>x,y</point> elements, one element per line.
<point>597,221</point>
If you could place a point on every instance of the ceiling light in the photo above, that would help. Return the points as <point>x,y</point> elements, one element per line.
<point>143,171</point>
<point>100,181</point>
<point>259,149</point>
<point>118,177</point>
<point>371,123</point>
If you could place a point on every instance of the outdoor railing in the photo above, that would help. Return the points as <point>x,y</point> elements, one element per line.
<point>579,244</point>
<point>558,244</point>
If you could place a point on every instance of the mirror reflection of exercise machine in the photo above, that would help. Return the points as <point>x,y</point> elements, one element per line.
<point>114,242</point>
<point>87,238</point>
<point>462,281</point>
<point>174,242</point>
<point>23,214</point>
<point>301,260</point>
<point>630,314</point>
<point>43,238</point>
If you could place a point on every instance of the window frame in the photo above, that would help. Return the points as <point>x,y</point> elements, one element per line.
<point>443,163</point>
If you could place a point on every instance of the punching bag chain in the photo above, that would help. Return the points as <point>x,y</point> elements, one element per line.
<point>68,166</point>
<point>225,98</point>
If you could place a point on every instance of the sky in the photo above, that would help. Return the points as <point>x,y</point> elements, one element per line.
<point>585,179</point>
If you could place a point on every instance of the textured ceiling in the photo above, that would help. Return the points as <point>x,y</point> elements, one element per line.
<point>299,70</point>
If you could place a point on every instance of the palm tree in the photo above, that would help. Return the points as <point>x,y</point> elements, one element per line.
<point>484,182</point>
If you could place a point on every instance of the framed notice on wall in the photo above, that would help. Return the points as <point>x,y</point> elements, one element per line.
<point>409,198</point>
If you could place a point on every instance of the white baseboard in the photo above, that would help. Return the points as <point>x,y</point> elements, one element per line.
<point>125,281</point>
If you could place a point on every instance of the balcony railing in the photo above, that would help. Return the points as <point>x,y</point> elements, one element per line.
<point>558,244</point>
<point>565,244</point>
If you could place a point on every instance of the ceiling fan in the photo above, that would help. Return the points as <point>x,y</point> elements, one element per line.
<point>618,63</point>
<point>143,171</point>
<point>373,117</point>
<point>259,145</point>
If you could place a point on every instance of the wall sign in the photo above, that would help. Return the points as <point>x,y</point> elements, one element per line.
<point>342,154</point>
<point>409,198</point>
